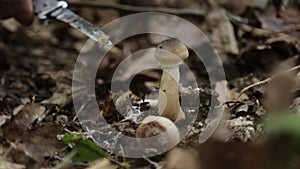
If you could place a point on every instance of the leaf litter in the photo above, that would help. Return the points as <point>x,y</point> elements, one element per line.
<point>255,41</point>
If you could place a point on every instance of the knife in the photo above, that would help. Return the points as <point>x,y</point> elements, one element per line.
<point>58,9</point>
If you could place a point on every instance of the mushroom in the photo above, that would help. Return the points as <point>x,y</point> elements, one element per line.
<point>156,125</point>
<point>170,53</point>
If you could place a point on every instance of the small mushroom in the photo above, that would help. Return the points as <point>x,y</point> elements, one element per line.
<point>170,53</point>
<point>156,125</point>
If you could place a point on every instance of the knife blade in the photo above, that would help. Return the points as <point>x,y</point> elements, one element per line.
<point>58,9</point>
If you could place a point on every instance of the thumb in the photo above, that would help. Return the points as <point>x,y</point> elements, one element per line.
<point>24,11</point>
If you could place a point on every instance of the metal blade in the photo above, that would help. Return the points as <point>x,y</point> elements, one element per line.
<point>58,10</point>
<point>92,31</point>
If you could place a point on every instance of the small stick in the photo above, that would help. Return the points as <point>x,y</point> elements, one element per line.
<point>155,164</point>
<point>130,8</point>
<point>267,80</point>
<point>243,23</point>
<point>266,32</point>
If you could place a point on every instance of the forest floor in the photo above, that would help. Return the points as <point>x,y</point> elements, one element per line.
<point>258,44</point>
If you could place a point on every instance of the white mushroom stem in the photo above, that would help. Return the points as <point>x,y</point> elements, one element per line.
<point>168,99</point>
<point>173,72</point>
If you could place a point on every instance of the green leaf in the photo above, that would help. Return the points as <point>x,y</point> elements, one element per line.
<point>87,151</point>
<point>71,138</point>
<point>288,124</point>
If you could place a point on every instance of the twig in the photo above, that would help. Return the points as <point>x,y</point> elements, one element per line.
<point>155,164</point>
<point>121,164</point>
<point>243,23</point>
<point>66,162</point>
<point>237,19</point>
<point>13,96</point>
<point>265,32</point>
<point>130,8</point>
<point>267,80</point>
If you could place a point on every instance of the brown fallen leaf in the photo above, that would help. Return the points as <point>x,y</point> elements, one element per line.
<point>182,159</point>
<point>23,119</point>
<point>218,154</point>
<point>232,94</point>
<point>3,119</point>
<point>279,96</point>
<point>223,132</point>
<point>259,59</point>
<point>2,91</point>
<point>297,81</point>
<point>11,25</point>
<point>9,165</point>
<point>42,142</point>
<point>235,6</point>
<point>36,140</point>
<point>158,3</point>
<point>103,164</point>
<point>223,36</point>
<point>284,43</point>
<point>62,94</point>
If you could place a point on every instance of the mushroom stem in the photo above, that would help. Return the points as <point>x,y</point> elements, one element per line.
<point>168,99</point>
<point>173,72</point>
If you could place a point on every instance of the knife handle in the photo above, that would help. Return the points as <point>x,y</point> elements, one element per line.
<point>45,7</point>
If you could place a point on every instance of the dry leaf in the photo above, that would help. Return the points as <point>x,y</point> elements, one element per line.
<point>103,164</point>
<point>278,95</point>
<point>158,3</point>
<point>235,6</point>
<point>31,139</point>
<point>62,94</point>
<point>8,165</point>
<point>218,154</point>
<point>11,25</point>
<point>223,36</point>
<point>3,119</point>
<point>182,159</point>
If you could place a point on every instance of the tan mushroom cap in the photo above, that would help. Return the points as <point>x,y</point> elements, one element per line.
<point>171,52</point>
<point>156,125</point>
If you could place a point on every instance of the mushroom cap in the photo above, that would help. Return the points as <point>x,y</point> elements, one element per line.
<point>156,125</point>
<point>171,52</point>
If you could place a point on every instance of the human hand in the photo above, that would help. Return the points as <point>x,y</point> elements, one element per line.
<point>21,10</point>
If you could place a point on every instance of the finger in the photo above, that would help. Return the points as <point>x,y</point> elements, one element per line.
<point>5,10</point>
<point>24,13</point>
